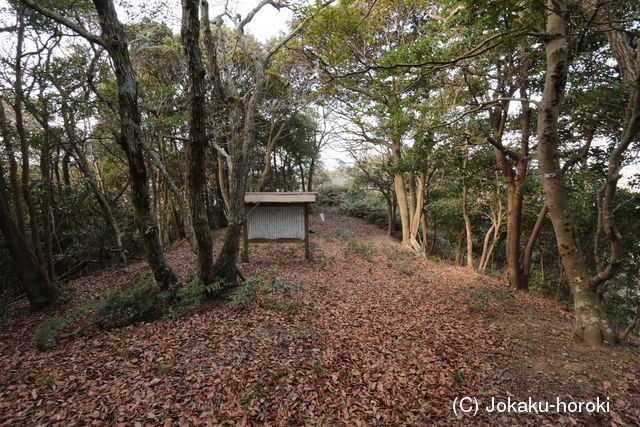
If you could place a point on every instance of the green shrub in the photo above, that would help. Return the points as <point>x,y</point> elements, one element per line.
<point>86,307</point>
<point>370,207</point>
<point>275,295</point>
<point>331,195</point>
<point>355,246</point>
<point>190,297</point>
<point>245,293</point>
<point>272,269</point>
<point>130,304</point>
<point>362,249</point>
<point>280,287</point>
<point>479,299</point>
<point>381,222</point>
<point>46,333</point>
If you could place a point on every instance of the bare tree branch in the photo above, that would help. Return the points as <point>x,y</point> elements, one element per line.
<point>64,21</point>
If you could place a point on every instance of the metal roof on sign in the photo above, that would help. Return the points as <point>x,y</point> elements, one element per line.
<point>280,197</point>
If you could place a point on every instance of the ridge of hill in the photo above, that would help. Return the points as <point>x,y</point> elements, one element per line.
<point>365,333</point>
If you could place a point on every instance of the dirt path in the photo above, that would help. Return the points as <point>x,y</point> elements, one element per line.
<point>363,334</point>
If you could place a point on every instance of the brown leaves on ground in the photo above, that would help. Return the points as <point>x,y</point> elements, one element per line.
<point>378,336</point>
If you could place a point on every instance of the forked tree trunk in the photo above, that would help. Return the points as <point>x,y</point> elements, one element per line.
<point>591,324</point>
<point>485,248</point>
<point>197,146</point>
<point>417,204</point>
<point>241,120</point>
<point>514,174</point>
<point>399,187</point>
<point>226,263</point>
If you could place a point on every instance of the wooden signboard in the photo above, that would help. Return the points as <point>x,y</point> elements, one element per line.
<point>277,218</point>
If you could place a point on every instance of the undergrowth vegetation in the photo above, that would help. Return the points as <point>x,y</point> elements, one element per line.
<point>143,301</point>
<point>271,295</point>
<point>354,245</point>
<point>484,297</point>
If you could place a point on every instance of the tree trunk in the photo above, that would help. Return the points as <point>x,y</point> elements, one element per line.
<point>24,143</point>
<point>462,235</point>
<point>514,227</point>
<point>403,207</point>
<point>591,324</point>
<point>271,143</point>
<point>465,213</point>
<point>13,170</point>
<point>390,219</point>
<point>66,176</point>
<point>197,146</point>
<point>423,223</point>
<point>217,218</point>
<point>39,289</point>
<point>180,200</point>
<point>47,199</point>
<point>102,201</point>
<point>312,169</point>
<point>528,250</point>
<point>485,248</point>
<point>222,183</point>
<point>418,204</point>
<point>130,141</point>
<point>302,177</point>
<point>226,263</point>
<point>434,241</point>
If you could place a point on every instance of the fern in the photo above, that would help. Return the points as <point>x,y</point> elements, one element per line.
<point>245,294</point>
<point>47,331</point>
<point>129,305</point>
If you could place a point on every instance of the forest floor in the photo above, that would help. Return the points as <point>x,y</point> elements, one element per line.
<point>365,333</point>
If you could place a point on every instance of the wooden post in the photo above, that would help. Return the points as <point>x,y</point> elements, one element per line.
<point>307,248</point>
<point>244,257</point>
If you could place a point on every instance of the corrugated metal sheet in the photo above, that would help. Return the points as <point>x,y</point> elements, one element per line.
<point>275,222</point>
<point>281,197</point>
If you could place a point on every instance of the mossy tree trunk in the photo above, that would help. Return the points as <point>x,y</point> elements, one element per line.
<point>197,144</point>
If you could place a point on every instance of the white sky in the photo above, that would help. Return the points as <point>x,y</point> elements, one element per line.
<point>268,23</point>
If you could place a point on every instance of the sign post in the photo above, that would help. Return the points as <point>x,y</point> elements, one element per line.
<point>277,218</point>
